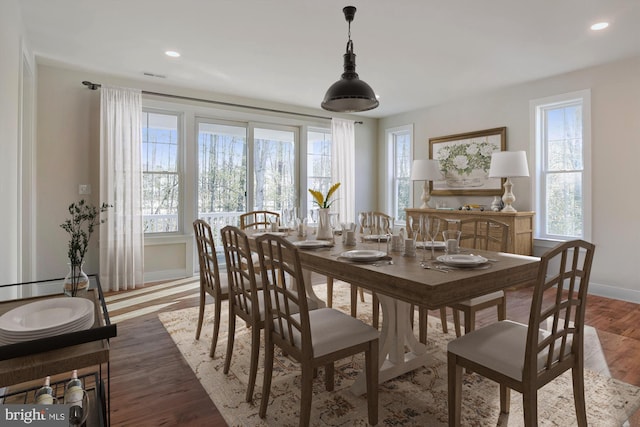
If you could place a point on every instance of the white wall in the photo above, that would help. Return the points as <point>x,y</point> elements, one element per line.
<point>11,53</point>
<point>615,115</point>
<point>68,155</point>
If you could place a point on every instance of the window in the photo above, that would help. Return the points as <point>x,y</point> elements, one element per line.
<point>222,172</point>
<point>562,135</point>
<point>275,183</point>
<point>318,162</point>
<point>400,148</point>
<point>160,172</point>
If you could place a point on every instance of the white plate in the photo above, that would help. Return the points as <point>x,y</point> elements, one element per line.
<point>273,233</point>
<point>438,246</point>
<point>46,315</point>
<point>376,237</point>
<point>363,255</point>
<point>312,244</point>
<point>462,260</point>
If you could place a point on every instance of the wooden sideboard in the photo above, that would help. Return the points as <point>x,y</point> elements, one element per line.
<point>520,224</point>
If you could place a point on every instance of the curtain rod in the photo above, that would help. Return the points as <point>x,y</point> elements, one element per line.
<point>96,86</point>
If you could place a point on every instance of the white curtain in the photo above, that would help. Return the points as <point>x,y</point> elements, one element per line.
<point>343,152</point>
<point>121,235</point>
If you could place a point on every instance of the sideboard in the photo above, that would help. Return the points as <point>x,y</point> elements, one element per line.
<point>520,224</point>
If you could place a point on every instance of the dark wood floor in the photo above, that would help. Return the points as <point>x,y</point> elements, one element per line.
<point>151,385</point>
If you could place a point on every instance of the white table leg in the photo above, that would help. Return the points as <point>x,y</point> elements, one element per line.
<point>396,333</point>
<point>309,288</point>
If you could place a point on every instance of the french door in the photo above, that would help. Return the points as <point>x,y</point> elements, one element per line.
<point>245,166</point>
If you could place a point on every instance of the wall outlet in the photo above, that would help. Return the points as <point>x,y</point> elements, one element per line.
<point>84,189</point>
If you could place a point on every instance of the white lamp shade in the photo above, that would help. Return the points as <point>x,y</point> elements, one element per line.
<point>425,170</point>
<point>508,164</point>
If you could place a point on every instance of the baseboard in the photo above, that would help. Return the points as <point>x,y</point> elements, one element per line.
<point>630,295</point>
<point>157,276</point>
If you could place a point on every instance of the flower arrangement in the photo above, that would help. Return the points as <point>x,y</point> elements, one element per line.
<point>321,200</point>
<point>464,158</point>
<point>84,218</point>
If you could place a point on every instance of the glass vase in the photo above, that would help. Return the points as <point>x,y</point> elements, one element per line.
<point>76,281</point>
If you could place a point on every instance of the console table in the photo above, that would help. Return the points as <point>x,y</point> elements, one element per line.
<point>520,224</point>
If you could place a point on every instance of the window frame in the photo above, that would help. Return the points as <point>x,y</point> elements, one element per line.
<point>307,201</point>
<point>391,136</point>
<point>538,140</point>
<point>180,153</point>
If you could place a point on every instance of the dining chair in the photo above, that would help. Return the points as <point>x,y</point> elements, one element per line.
<point>258,219</point>
<point>378,223</point>
<point>354,289</point>
<point>210,281</point>
<point>244,297</point>
<point>444,224</point>
<point>526,357</point>
<point>486,234</point>
<point>313,338</point>
<point>246,293</point>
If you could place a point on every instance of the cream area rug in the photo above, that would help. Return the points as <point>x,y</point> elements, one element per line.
<point>418,398</point>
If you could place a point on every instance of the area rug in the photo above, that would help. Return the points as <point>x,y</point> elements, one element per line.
<point>418,398</point>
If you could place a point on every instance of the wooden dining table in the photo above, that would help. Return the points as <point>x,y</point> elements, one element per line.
<point>404,282</point>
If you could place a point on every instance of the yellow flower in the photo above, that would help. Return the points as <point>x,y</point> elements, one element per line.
<point>323,201</point>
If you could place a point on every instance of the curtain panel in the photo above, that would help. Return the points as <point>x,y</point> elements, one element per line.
<point>121,235</point>
<point>343,149</point>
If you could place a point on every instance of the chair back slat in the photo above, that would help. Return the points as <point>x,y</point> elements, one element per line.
<point>558,307</point>
<point>258,219</point>
<point>242,280</point>
<point>381,223</point>
<point>209,272</point>
<point>287,305</point>
<point>483,233</point>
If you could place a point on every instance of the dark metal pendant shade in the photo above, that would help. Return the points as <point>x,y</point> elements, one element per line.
<point>349,94</point>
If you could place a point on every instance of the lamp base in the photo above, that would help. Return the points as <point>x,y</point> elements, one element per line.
<point>508,197</point>
<point>425,196</point>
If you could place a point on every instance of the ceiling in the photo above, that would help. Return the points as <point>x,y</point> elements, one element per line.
<point>414,53</point>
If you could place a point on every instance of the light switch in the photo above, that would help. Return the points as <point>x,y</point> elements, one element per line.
<point>84,189</point>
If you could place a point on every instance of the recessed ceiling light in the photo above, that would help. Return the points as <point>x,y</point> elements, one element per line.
<point>172,53</point>
<point>599,26</point>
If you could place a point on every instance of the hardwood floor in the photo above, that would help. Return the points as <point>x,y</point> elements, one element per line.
<point>151,385</point>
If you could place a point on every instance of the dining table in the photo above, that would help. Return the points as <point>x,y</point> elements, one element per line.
<point>401,282</point>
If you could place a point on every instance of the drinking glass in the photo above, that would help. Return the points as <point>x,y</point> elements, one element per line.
<point>452,241</point>
<point>433,231</point>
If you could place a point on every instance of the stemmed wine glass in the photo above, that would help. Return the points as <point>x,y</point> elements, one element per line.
<point>414,226</point>
<point>433,231</point>
<point>425,225</point>
<point>334,220</point>
<point>362,222</point>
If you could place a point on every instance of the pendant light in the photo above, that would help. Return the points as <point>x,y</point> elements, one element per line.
<point>349,94</point>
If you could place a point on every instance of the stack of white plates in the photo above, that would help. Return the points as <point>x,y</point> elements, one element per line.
<point>46,318</point>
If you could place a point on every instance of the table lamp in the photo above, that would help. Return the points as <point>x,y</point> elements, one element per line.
<point>427,170</point>
<point>508,164</point>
